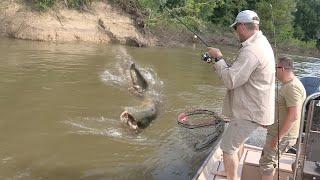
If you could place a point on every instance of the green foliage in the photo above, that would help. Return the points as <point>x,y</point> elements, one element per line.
<point>304,44</point>
<point>292,20</point>
<point>277,15</point>
<point>174,3</point>
<point>75,4</point>
<point>307,19</point>
<point>225,11</point>
<point>45,4</point>
<point>150,6</point>
<point>78,4</point>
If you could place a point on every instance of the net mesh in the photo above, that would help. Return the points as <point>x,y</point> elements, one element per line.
<point>204,125</point>
<point>197,118</point>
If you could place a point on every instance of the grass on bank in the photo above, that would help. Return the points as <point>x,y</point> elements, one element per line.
<point>43,5</point>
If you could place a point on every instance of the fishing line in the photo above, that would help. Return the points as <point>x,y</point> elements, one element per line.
<point>205,56</point>
<point>186,26</point>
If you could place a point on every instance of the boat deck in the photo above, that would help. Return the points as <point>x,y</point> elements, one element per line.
<point>213,168</point>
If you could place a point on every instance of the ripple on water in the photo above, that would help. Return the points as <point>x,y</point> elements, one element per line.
<point>305,66</point>
<point>101,126</point>
<point>109,78</point>
<point>193,100</point>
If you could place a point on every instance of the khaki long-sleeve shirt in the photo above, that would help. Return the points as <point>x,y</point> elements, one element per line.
<point>250,82</point>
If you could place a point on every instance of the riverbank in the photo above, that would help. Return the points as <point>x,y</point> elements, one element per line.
<point>108,23</point>
<point>103,23</point>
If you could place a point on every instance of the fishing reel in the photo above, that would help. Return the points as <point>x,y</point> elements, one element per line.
<point>206,57</point>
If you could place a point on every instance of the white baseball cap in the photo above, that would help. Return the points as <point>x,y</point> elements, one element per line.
<point>246,16</point>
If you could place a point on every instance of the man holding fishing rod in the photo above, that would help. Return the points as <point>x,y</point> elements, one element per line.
<point>250,83</point>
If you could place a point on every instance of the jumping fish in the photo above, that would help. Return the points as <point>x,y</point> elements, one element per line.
<point>138,81</point>
<point>139,117</point>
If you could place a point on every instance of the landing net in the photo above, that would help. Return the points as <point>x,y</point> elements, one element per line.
<point>197,118</point>
<point>208,124</point>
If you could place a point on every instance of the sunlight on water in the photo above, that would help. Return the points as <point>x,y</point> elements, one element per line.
<point>306,66</point>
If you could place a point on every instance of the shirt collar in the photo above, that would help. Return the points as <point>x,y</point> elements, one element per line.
<point>251,39</point>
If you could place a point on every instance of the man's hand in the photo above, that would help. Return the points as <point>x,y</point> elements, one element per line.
<point>214,52</point>
<point>274,143</point>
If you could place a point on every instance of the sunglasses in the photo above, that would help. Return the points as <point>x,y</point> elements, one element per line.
<point>236,25</point>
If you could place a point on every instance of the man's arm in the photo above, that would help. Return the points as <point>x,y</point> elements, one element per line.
<point>293,101</point>
<point>240,71</point>
<point>290,118</point>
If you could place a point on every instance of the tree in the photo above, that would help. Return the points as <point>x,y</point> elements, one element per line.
<point>277,15</point>
<point>307,19</point>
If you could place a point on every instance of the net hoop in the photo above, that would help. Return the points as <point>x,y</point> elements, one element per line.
<point>213,120</point>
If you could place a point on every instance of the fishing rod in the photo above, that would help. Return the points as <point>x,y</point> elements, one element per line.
<point>277,92</point>
<point>186,26</point>
<point>277,87</point>
<point>205,57</point>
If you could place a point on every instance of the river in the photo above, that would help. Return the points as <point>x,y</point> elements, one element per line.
<point>60,107</point>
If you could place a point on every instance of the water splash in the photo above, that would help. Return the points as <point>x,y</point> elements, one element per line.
<point>102,126</point>
<point>114,80</point>
<point>117,74</point>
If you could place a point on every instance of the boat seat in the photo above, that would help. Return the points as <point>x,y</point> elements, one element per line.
<point>250,168</point>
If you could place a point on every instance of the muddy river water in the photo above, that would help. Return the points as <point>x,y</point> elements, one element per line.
<point>60,107</point>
